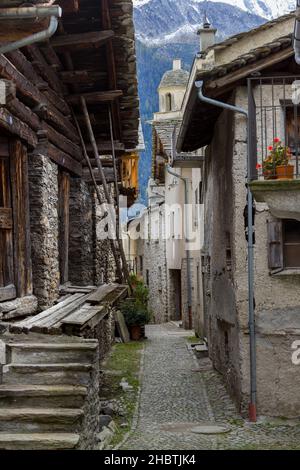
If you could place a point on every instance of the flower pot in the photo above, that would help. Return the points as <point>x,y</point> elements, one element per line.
<point>269,174</point>
<point>285,172</point>
<point>135,332</point>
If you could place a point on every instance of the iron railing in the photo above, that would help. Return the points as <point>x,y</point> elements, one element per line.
<point>274,127</point>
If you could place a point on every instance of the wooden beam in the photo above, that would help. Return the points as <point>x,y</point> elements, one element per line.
<point>63,142</point>
<point>105,146</point>
<point>95,97</point>
<point>59,157</point>
<point>69,6</point>
<point>17,127</point>
<point>108,173</point>
<point>81,41</point>
<point>46,71</point>
<point>107,162</point>
<point>240,74</point>
<point>73,77</point>
<point>33,96</point>
<point>64,224</point>
<point>20,200</point>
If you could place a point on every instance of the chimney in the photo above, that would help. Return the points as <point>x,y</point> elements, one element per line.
<point>177,64</point>
<point>207,35</point>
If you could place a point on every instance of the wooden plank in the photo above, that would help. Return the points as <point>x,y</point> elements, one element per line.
<point>81,316</point>
<point>97,296</point>
<point>21,217</point>
<point>6,236</point>
<point>45,70</point>
<point>122,327</point>
<point>6,221</point>
<point>64,224</point>
<point>95,97</point>
<point>7,293</point>
<point>105,146</point>
<point>65,144</point>
<point>55,320</point>
<point>81,41</point>
<point>28,323</point>
<point>109,175</point>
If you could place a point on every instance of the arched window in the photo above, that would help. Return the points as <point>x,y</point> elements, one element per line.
<point>168,102</point>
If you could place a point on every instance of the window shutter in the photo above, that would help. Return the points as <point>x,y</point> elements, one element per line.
<point>275,245</point>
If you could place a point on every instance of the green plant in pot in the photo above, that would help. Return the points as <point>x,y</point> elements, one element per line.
<point>277,164</point>
<point>136,317</point>
<point>135,309</point>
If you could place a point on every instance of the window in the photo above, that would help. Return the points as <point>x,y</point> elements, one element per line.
<point>147,277</point>
<point>228,251</point>
<point>141,264</point>
<point>168,102</point>
<point>284,245</point>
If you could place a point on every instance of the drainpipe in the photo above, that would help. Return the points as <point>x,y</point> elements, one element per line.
<point>251,310</point>
<point>187,251</point>
<point>297,33</point>
<point>53,12</point>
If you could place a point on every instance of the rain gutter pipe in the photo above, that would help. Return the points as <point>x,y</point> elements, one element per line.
<point>54,12</point>
<point>188,254</point>
<point>251,309</point>
<point>297,33</point>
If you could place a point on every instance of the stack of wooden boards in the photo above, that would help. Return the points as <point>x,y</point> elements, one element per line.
<point>77,309</point>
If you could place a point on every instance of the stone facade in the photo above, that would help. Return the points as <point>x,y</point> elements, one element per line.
<point>277,298</point>
<point>81,249</point>
<point>43,183</point>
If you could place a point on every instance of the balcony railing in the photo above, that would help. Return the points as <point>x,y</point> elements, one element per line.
<point>274,120</point>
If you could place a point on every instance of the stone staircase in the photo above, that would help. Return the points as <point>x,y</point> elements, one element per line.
<point>49,394</point>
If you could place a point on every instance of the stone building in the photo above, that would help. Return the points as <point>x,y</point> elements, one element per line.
<point>77,82</point>
<point>249,71</point>
<point>169,265</point>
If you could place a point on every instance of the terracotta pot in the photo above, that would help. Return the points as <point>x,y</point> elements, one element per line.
<point>135,332</point>
<point>285,172</point>
<point>269,174</point>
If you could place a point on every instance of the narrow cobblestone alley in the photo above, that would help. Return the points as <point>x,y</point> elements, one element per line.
<point>179,394</point>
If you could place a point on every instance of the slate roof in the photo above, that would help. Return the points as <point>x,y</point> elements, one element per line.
<point>174,78</point>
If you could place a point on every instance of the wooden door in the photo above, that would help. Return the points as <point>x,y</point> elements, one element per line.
<point>7,278</point>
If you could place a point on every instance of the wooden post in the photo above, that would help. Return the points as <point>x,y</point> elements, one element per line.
<point>20,203</point>
<point>87,158</point>
<point>105,187</point>
<point>64,224</point>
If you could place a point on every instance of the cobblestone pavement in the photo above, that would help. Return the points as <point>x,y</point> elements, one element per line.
<point>176,397</point>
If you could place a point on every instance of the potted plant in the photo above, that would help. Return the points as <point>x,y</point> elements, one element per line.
<point>277,164</point>
<point>136,316</point>
<point>135,309</point>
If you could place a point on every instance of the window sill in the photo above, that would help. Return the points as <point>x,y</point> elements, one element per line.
<point>287,272</point>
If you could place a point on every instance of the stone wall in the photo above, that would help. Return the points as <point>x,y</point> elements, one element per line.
<point>43,184</point>
<point>277,298</point>
<point>219,299</point>
<point>82,233</point>
<point>105,267</point>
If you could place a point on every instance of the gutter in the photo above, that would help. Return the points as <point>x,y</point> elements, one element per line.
<point>251,309</point>
<point>54,12</point>
<point>297,33</point>
<point>188,254</point>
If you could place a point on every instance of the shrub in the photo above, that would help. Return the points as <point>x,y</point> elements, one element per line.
<point>135,314</point>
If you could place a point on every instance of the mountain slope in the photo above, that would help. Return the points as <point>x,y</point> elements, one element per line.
<point>166,29</point>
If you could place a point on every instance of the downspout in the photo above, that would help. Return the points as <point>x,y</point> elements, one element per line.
<point>297,33</point>
<point>251,309</point>
<point>53,12</point>
<point>187,251</point>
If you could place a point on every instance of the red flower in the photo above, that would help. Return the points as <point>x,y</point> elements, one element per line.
<point>270,148</point>
<point>277,140</point>
<point>258,166</point>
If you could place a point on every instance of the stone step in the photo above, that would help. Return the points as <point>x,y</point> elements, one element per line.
<point>45,353</point>
<point>43,396</point>
<point>38,441</point>
<point>40,419</point>
<point>48,374</point>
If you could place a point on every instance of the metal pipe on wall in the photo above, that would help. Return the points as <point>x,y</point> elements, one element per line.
<point>251,309</point>
<point>53,12</point>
